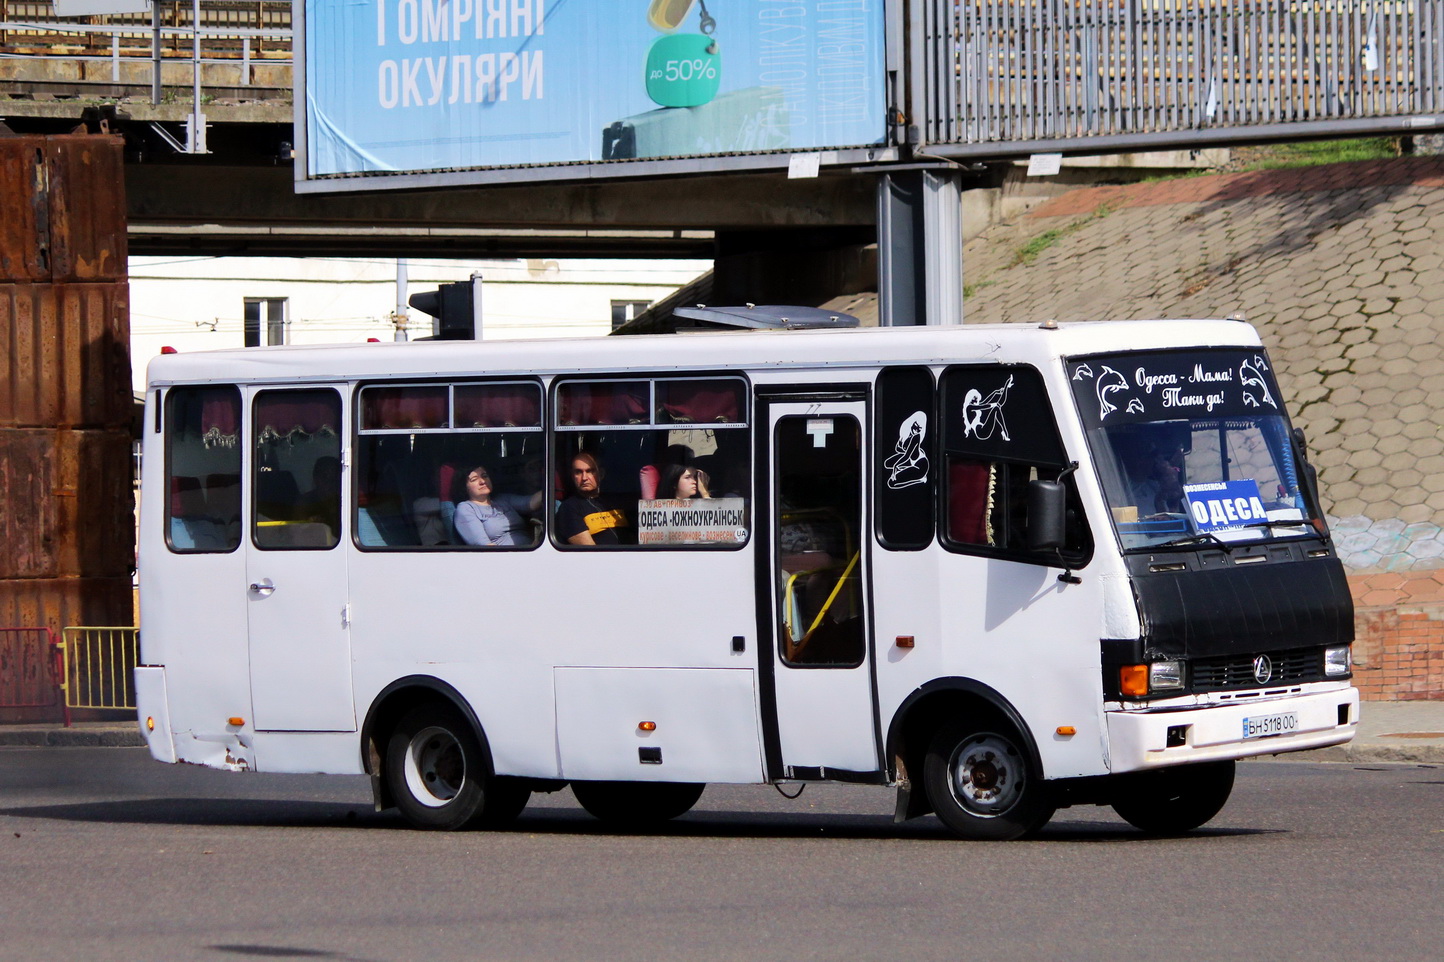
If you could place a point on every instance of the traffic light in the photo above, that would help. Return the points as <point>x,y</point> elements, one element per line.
<point>455,308</point>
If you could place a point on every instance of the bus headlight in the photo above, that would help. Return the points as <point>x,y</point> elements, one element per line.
<point>1165,676</point>
<point>1338,661</point>
<point>1136,681</point>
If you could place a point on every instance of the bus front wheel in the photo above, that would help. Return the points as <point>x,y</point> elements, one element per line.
<point>1175,800</point>
<point>438,774</point>
<point>982,784</point>
<point>637,804</point>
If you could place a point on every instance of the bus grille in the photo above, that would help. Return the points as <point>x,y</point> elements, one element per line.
<point>1236,671</point>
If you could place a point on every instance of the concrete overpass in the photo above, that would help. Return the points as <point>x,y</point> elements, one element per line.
<point>978,83</point>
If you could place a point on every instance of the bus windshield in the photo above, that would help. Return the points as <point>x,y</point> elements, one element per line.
<point>1192,448</point>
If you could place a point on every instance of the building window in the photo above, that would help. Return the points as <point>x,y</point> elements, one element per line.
<point>624,311</point>
<point>268,313</point>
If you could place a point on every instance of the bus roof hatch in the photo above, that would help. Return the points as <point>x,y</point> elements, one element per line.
<point>781,317</point>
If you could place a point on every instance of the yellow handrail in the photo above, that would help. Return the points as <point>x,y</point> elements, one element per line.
<point>833,595</point>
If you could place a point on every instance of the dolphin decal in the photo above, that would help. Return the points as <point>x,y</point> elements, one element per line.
<point>1082,371</point>
<point>1109,382</point>
<point>1255,388</point>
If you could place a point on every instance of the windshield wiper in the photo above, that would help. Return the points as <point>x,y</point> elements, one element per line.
<point>1203,537</point>
<point>1280,523</point>
<point>1208,537</point>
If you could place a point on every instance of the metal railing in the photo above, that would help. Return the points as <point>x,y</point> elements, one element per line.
<point>223,22</point>
<point>1001,71</point>
<point>31,671</point>
<point>99,666</point>
<point>233,41</point>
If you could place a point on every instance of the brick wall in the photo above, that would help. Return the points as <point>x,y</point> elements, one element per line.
<point>1399,635</point>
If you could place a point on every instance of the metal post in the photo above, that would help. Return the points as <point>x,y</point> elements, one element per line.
<point>155,58</point>
<point>920,248</point>
<point>62,680</point>
<point>196,141</point>
<point>476,305</point>
<point>399,317</point>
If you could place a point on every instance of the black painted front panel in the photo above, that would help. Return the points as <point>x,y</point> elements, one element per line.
<point>1234,609</point>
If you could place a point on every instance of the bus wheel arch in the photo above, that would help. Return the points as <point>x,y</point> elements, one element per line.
<point>428,756</point>
<point>951,710</point>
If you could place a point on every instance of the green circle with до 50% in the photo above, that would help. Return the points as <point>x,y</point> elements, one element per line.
<point>683,70</point>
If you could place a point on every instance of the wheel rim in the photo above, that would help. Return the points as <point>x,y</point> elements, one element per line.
<point>986,775</point>
<point>435,767</point>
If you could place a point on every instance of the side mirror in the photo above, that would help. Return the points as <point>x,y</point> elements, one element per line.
<point>1311,474</point>
<point>1047,515</point>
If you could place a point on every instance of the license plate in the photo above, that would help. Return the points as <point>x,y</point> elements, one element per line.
<point>1263,726</point>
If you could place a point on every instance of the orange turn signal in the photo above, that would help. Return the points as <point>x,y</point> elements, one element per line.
<point>1133,680</point>
<point>647,726</point>
<point>150,723</point>
<point>236,720</point>
<point>1066,730</point>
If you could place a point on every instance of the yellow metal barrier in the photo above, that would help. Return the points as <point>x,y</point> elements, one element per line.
<point>99,666</point>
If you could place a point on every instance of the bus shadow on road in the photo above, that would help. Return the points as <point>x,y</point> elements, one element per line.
<point>262,813</point>
<point>556,821</point>
<point>740,824</point>
<point>1062,830</point>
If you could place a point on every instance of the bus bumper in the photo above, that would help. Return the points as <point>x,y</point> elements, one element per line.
<point>1158,737</point>
<point>153,713</point>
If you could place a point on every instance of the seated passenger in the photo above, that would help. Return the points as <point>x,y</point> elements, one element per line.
<point>684,483</point>
<point>585,517</point>
<point>322,504</point>
<point>490,519</point>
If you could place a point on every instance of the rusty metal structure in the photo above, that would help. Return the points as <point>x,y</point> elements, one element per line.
<point>66,536</point>
<point>31,673</point>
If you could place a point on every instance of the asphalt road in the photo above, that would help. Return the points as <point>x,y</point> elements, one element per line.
<point>105,854</point>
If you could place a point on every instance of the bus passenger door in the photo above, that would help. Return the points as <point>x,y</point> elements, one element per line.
<point>822,671</point>
<point>296,588</point>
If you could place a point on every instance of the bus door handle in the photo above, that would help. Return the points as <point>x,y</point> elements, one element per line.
<point>263,587</point>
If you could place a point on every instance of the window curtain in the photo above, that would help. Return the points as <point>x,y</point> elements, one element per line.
<point>699,402</point>
<point>403,407</point>
<point>297,415</point>
<point>498,406</point>
<point>620,403</point>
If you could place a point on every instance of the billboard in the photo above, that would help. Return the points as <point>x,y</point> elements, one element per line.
<point>413,86</point>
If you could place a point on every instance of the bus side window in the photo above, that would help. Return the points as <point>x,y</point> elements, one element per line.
<point>417,447</point>
<point>659,462</point>
<point>297,469</point>
<point>907,475</point>
<point>999,435</point>
<point>203,464</point>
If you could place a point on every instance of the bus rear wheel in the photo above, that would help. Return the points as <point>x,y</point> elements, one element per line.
<point>1171,801</point>
<point>438,775</point>
<point>637,804</point>
<point>982,784</point>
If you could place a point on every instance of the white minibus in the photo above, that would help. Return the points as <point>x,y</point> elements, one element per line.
<point>1001,569</point>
